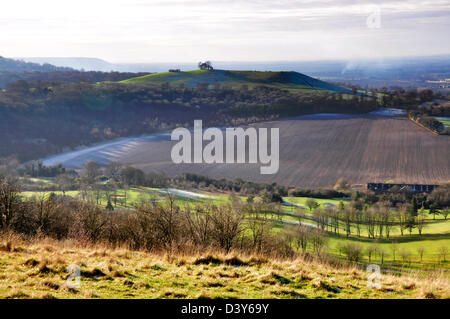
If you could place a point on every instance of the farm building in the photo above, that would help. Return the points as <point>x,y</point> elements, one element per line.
<point>417,188</point>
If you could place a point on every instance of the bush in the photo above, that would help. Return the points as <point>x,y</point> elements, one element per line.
<point>353,251</point>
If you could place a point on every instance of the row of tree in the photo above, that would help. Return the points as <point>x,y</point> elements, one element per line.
<point>354,252</point>
<point>429,122</point>
<point>377,220</point>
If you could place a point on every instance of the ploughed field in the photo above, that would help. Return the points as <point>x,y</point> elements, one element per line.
<point>315,151</point>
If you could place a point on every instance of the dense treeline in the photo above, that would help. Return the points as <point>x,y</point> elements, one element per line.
<point>317,193</point>
<point>39,118</point>
<point>425,116</point>
<point>296,104</point>
<point>397,97</point>
<point>9,79</point>
<point>238,185</point>
<point>38,169</point>
<point>407,99</point>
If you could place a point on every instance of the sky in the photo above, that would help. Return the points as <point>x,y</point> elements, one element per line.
<point>146,31</point>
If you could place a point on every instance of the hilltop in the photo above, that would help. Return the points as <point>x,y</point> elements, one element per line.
<point>289,80</point>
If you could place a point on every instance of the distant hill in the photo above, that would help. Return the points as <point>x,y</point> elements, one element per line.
<point>289,80</point>
<point>12,65</point>
<point>78,63</point>
<point>96,64</point>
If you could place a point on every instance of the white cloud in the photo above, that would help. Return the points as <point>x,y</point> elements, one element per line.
<point>176,30</point>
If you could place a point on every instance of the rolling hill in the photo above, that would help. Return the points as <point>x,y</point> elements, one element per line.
<point>292,81</point>
<point>12,65</point>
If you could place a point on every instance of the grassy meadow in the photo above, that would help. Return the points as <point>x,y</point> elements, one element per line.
<point>39,270</point>
<point>292,81</point>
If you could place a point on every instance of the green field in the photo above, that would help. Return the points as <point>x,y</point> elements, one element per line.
<point>292,81</point>
<point>436,233</point>
<point>445,121</point>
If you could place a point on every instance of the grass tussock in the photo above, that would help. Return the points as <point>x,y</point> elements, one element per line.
<point>40,270</point>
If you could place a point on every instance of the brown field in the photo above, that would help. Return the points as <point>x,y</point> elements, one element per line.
<point>316,151</point>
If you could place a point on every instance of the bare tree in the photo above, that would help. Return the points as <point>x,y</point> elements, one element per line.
<point>335,214</point>
<point>381,252</point>
<point>9,166</point>
<point>9,201</point>
<point>45,209</point>
<point>65,182</point>
<point>199,224</point>
<point>402,217</point>
<point>226,226</point>
<point>91,170</point>
<point>394,248</point>
<point>112,169</point>
<point>347,215</point>
<point>319,240</point>
<point>420,251</point>
<point>421,220</point>
<point>302,235</point>
<point>405,254</point>
<point>370,221</point>
<point>258,225</point>
<point>443,251</point>
<point>371,250</point>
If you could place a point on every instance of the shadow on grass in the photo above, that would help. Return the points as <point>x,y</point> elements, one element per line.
<point>398,239</point>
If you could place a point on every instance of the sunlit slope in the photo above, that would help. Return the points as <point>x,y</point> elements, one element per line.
<point>282,79</point>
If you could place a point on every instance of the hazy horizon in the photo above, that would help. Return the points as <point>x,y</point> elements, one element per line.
<point>343,60</point>
<point>143,31</point>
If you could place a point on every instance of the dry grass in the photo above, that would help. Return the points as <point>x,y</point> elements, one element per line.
<point>38,270</point>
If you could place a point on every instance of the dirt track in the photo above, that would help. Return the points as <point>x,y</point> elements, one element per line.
<point>315,151</point>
